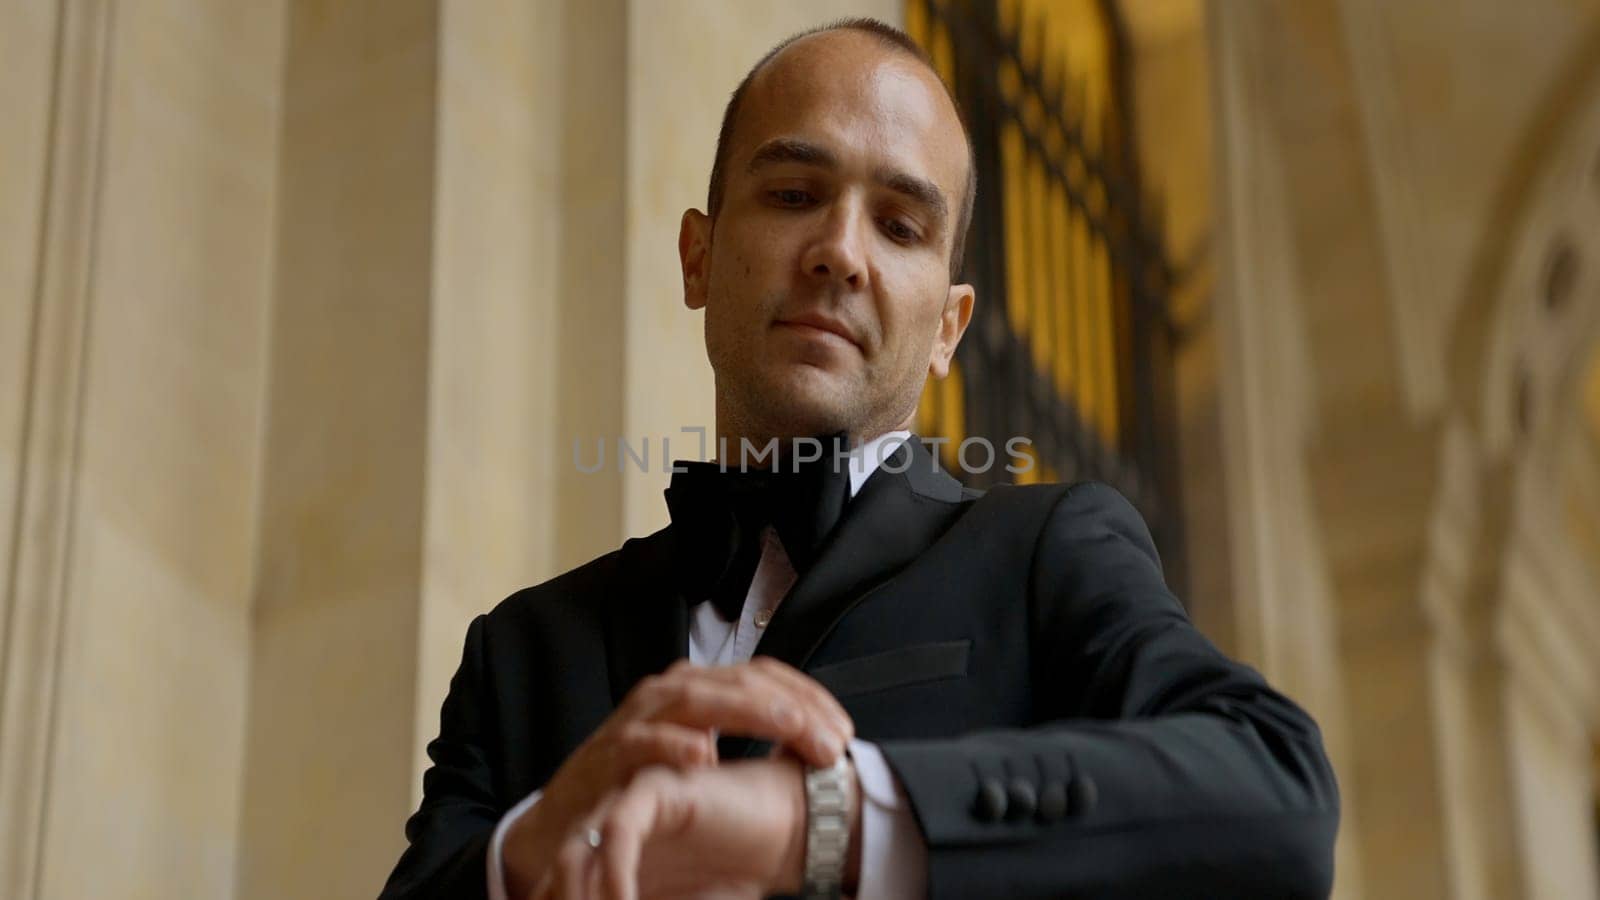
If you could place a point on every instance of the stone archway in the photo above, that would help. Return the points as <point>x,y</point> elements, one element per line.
<point>1428,516</point>
<point>1385,533</point>
<point>1512,603</point>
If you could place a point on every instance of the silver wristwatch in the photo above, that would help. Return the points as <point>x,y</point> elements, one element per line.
<point>827,830</point>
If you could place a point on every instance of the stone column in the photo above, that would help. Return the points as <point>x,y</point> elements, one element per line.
<point>448,315</point>
<point>337,606</point>
<point>140,161</point>
<point>49,208</point>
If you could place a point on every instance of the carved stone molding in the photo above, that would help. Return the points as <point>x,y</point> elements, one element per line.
<point>39,562</point>
<point>1550,604</point>
<point>1535,337</point>
<point>1411,271</point>
<point>1509,591</point>
<point>1511,345</point>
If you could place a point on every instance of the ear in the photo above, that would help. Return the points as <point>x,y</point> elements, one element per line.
<point>694,254</point>
<point>952,325</point>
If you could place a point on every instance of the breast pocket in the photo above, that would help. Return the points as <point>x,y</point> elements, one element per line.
<point>895,668</point>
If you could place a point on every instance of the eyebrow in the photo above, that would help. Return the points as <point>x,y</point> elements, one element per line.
<point>920,190</point>
<point>793,150</point>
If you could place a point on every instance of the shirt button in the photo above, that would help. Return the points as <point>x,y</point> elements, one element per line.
<point>763,617</point>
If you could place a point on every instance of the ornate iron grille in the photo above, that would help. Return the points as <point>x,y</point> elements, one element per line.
<point>1071,344</point>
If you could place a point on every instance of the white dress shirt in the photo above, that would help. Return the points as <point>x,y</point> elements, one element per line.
<point>893,855</point>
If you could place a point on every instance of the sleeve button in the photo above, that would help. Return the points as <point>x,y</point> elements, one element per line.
<point>1021,799</point>
<point>1053,802</point>
<point>991,801</point>
<point>1082,795</point>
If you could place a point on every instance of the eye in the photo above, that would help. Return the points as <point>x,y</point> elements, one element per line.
<point>900,231</point>
<point>794,198</point>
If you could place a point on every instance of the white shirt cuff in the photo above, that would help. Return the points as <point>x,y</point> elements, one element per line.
<point>894,858</point>
<point>496,861</point>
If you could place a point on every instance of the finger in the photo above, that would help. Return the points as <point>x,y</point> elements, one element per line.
<point>571,865</point>
<point>618,860</point>
<point>766,700</point>
<point>743,703</point>
<point>827,727</point>
<point>764,675</point>
<point>819,697</point>
<point>817,737</point>
<point>644,697</point>
<point>630,821</point>
<point>594,875</point>
<point>640,744</point>
<point>545,889</point>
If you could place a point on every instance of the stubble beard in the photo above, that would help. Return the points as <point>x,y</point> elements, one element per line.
<point>798,404</point>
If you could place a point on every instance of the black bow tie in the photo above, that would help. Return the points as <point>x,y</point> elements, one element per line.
<point>718,516</point>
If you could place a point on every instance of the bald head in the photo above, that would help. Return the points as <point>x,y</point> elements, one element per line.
<point>790,68</point>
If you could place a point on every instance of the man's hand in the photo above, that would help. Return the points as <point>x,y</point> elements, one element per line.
<point>672,720</point>
<point>736,832</point>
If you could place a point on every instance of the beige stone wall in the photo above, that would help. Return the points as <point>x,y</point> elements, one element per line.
<point>136,287</point>
<point>35,482</point>
<point>493,358</point>
<point>334,647</point>
<point>26,43</point>
<point>589,340</point>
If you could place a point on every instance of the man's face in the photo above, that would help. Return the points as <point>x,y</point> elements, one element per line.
<point>825,276</point>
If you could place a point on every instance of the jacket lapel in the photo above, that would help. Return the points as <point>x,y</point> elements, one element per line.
<point>896,516</point>
<point>647,626</point>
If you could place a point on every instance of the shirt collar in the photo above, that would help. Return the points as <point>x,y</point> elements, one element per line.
<point>865,459</point>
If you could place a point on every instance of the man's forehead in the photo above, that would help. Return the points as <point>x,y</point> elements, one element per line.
<point>849,83</point>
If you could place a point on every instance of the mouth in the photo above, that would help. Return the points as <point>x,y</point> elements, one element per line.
<point>819,327</point>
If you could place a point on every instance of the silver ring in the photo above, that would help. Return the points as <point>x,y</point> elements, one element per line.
<point>593,838</point>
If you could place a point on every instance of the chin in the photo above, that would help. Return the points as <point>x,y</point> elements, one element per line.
<point>807,400</point>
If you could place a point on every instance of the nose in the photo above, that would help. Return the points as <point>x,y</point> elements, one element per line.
<point>836,253</point>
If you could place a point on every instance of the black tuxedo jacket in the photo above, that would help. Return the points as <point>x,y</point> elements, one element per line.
<point>1060,727</point>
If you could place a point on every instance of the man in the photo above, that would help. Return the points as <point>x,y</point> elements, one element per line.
<point>969,695</point>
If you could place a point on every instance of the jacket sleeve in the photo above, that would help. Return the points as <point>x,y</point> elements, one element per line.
<point>1162,768</point>
<point>449,833</point>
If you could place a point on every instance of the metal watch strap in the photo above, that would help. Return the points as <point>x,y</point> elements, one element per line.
<point>827,830</point>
